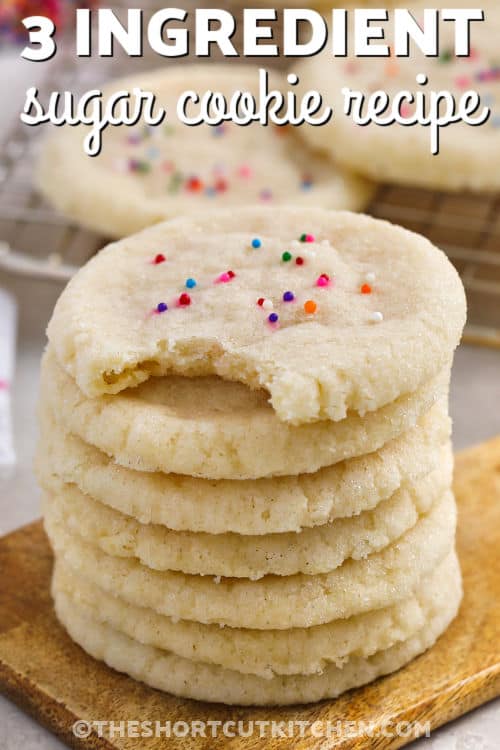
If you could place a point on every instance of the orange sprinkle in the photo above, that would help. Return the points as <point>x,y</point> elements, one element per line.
<point>310,306</point>
<point>366,289</point>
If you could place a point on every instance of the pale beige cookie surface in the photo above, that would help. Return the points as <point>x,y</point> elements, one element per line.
<point>468,155</point>
<point>374,290</point>
<point>216,429</point>
<point>312,551</point>
<point>192,679</point>
<point>264,506</point>
<point>268,652</point>
<point>145,174</point>
<point>273,602</point>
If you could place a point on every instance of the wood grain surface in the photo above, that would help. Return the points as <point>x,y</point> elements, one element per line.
<point>55,681</point>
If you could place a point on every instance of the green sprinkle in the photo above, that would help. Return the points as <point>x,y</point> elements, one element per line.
<point>286,256</point>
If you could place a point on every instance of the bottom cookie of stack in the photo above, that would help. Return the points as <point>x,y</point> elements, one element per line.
<point>87,613</point>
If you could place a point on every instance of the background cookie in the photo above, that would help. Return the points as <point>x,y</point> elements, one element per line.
<point>147,174</point>
<point>468,155</point>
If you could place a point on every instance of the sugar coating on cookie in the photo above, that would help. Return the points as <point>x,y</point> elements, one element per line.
<point>124,317</point>
<point>468,155</point>
<point>145,174</point>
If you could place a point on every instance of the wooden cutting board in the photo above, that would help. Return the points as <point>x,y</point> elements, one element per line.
<point>55,681</point>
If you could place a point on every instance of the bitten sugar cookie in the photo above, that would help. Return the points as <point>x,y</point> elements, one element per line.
<point>268,652</point>
<point>321,309</point>
<point>264,506</point>
<point>468,156</point>
<point>216,429</point>
<point>146,174</point>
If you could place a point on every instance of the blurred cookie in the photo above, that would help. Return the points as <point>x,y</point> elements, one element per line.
<point>146,174</point>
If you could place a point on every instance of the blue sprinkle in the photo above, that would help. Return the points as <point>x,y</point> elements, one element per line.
<point>161,307</point>
<point>190,283</point>
<point>273,318</point>
<point>211,191</point>
<point>256,243</point>
<point>288,297</point>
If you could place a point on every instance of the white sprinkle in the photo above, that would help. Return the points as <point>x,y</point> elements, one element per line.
<point>376,317</point>
<point>370,277</point>
<point>267,305</point>
<point>217,579</point>
<point>325,243</point>
<point>295,245</point>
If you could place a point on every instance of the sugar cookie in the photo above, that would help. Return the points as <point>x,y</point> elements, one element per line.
<point>401,154</point>
<point>273,602</point>
<point>216,429</point>
<point>191,679</point>
<point>268,652</point>
<point>145,174</point>
<point>312,551</point>
<point>124,317</point>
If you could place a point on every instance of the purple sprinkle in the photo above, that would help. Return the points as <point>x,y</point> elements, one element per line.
<point>161,307</point>
<point>273,318</point>
<point>288,297</point>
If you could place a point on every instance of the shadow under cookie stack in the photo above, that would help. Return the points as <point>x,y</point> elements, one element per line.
<point>207,542</point>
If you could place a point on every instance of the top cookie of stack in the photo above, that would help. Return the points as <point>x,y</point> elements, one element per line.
<point>212,386</point>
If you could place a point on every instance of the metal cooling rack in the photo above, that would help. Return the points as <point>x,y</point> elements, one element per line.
<point>38,242</point>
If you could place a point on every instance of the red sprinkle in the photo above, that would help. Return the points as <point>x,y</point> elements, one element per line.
<point>366,289</point>
<point>160,258</point>
<point>194,185</point>
<point>299,261</point>
<point>221,185</point>
<point>261,301</point>
<point>184,299</point>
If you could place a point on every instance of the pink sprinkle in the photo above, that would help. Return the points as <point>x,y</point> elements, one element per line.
<point>245,171</point>
<point>167,166</point>
<point>4,385</point>
<point>474,54</point>
<point>323,280</point>
<point>225,277</point>
<point>463,82</point>
<point>309,238</point>
<point>405,110</point>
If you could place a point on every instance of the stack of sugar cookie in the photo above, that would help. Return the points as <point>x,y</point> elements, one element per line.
<point>245,453</point>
